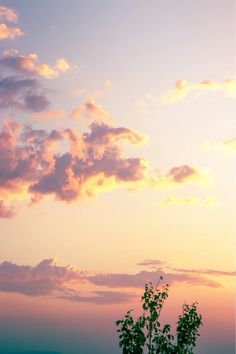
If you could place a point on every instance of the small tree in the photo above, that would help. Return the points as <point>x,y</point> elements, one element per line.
<point>147,335</point>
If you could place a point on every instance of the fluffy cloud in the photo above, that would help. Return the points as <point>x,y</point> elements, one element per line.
<point>205,202</point>
<point>90,110</point>
<point>8,15</point>
<point>7,32</point>
<point>70,165</point>
<point>182,88</point>
<point>31,162</point>
<point>22,93</point>
<point>27,65</point>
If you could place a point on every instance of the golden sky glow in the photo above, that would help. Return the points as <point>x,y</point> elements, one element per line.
<point>117,155</point>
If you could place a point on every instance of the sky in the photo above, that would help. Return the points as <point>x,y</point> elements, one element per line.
<point>117,166</point>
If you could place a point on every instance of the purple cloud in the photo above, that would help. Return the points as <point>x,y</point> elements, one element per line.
<point>46,278</point>
<point>22,93</point>
<point>139,279</point>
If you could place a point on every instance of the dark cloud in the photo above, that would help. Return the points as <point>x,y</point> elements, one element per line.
<point>22,93</point>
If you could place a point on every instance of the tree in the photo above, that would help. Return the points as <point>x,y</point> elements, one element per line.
<point>147,335</point>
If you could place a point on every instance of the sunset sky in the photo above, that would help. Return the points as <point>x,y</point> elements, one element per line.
<point>117,165</point>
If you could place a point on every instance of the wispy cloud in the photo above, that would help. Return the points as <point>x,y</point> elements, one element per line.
<point>152,263</point>
<point>156,263</point>
<point>202,202</point>
<point>27,65</point>
<point>183,88</point>
<point>207,272</point>
<point>137,280</point>
<point>66,282</point>
<point>8,15</point>
<point>6,212</point>
<point>101,297</point>
<point>227,147</point>
<point>47,115</point>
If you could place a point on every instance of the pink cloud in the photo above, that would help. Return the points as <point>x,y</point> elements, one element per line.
<point>6,212</point>
<point>27,65</point>
<point>90,110</point>
<point>47,278</point>
<point>30,161</point>
<point>47,115</point>
<point>8,15</point>
<point>139,279</point>
<point>32,164</point>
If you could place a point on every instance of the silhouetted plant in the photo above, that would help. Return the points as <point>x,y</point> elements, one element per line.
<point>147,335</point>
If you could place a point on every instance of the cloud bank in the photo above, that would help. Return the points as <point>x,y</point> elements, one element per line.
<point>68,283</point>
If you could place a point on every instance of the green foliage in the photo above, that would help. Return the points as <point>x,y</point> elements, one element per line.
<point>147,335</point>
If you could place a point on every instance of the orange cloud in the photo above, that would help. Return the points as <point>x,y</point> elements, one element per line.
<point>182,88</point>
<point>27,64</point>
<point>9,32</point>
<point>8,15</point>
<point>90,110</point>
